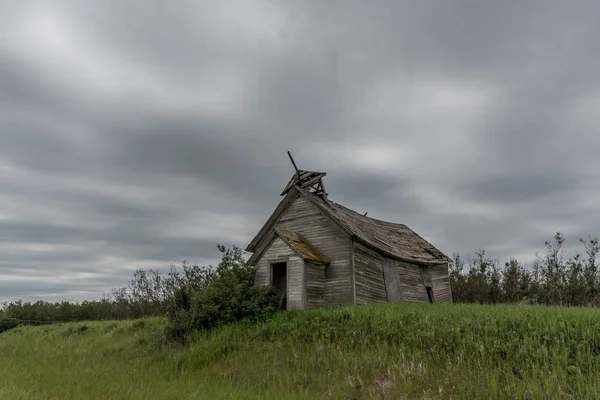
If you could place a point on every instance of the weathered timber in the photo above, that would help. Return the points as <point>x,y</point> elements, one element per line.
<point>332,243</point>
<point>266,228</point>
<point>353,270</point>
<point>425,276</point>
<point>411,283</point>
<point>395,240</point>
<point>441,283</point>
<point>337,256</point>
<point>315,284</point>
<point>369,280</point>
<point>302,247</point>
<point>296,293</point>
<point>279,251</point>
<point>392,279</point>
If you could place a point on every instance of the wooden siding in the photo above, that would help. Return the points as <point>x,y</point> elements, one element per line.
<point>391,275</point>
<point>411,283</point>
<point>304,217</point>
<point>441,283</point>
<point>426,276</point>
<point>369,281</point>
<point>295,298</point>
<point>278,250</point>
<point>315,284</point>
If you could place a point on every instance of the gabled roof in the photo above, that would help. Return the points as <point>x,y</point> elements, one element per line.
<point>395,240</point>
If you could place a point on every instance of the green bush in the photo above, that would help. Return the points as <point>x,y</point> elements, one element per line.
<point>7,323</point>
<point>227,295</point>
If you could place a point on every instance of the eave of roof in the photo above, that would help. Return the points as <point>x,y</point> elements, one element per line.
<point>302,246</point>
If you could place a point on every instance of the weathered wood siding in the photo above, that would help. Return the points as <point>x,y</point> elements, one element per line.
<point>391,275</point>
<point>369,281</point>
<point>279,251</point>
<point>296,297</point>
<point>302,216</point>
<point>315,284</point>
<point>276,250</point>
<point>411,283</point>
<point>441,283</point>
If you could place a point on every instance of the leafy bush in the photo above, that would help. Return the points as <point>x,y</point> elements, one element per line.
<point>7,323</point>
<point>226,294</point>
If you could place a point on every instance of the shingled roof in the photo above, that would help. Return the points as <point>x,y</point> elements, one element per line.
<point>395,240</point>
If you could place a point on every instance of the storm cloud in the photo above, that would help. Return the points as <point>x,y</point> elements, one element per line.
<point>140,134</point>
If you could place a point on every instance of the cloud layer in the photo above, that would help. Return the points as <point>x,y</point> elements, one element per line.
<point>143,135</point>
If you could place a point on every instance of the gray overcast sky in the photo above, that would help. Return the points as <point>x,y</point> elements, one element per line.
<point>142,133</point>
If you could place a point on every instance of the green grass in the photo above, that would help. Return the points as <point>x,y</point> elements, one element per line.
<point>380,351</point>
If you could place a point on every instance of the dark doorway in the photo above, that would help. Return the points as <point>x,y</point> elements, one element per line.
<point>279,281</point>
<point>430,294</point>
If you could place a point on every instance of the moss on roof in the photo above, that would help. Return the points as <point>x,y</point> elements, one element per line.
<point>303,246</point>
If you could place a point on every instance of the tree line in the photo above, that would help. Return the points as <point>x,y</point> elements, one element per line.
<point>205,295</point>
<point>146,294</point>
<point>192,298</point>
<point>552,279</point>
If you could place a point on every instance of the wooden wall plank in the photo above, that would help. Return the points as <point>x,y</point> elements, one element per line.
<point>426,276</point>
<point>303,217</point>
<point>295,276</point>
<point>411,283</point>
<point>315,284</point>
<point>369,280</point>
<point>392,279</point>
<point>441,283</point>
<point>279,250</point>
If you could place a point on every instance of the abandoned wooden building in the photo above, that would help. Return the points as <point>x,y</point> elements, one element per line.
<point>317,253</point>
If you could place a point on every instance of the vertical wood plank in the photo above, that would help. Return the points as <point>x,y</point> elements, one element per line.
<point>392,279</point>
<point>369,281</point>
<point>352,265</point>
<point>425,276</point>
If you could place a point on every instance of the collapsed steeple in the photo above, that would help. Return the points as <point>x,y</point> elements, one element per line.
<point>312,181</point>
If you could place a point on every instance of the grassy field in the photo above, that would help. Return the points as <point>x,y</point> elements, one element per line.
<point>382,351</point>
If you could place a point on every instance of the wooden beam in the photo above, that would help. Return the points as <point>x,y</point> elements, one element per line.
<point>313,180</point>
<point>324,191</point>
<point>294,164</point>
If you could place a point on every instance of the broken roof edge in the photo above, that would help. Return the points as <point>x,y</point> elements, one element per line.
<point>396,257</point>
<point>302,247</point>
<point>323,204</point>
<point>308,177</point>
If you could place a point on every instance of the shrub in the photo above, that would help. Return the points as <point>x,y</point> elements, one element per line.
<point>7,323</point>
<point>227,295</point>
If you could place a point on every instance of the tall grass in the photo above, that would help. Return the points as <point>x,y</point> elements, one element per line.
<point>376,351</point>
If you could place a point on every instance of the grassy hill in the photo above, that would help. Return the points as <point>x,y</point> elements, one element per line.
<point>379,351</point>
